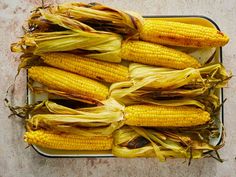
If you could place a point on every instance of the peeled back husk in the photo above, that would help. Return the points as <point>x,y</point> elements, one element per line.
<point>170,144</point>
<point>203,55</point>
<point>108,113</point>
<point>148,151</point>
<point>168,80</point>
<point>99,45</point>
<point>208,101</point>
<point>99,17</point>
<point>82,129</point>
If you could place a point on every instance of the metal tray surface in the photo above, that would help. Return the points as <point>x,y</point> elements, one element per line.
<point>32,98</point>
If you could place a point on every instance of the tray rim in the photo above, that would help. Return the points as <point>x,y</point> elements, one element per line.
<point>111,155</point>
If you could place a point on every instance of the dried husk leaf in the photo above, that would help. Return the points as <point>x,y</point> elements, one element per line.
<point>169,82</point>
<point>65,22</point>
<point>99,45</point>
<point>165,146</point>
<point>85,130</point>
<point>101,17</point>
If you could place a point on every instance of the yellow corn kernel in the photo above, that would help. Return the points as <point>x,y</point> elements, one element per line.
<point>165,116</point>
<point>182,34</point>
<point>48,139</point>
<point>68,82</point>
<point>94,69</point>
<point>154,54</point>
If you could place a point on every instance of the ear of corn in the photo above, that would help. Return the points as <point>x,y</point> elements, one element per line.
<point>154,54</point>
<point>94,69</point>
<point>62,141</point>
<point>68,82</point>
<point>181,34</point>
<point>165,116</point>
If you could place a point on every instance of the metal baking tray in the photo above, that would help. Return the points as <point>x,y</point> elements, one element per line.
<point>32,98</point>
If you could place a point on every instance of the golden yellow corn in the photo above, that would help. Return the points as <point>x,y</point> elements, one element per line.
<point>48,139</point>
<point>94,69</point>
<point>165,116</point>
<point>182,34</point>
<point>68,82</point>
<point>154,54</point>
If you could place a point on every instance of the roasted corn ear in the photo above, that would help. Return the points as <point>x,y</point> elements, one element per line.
<point>48,139</point>
<point>182,34</point>
<point>158,55</point>
<point>68,82</point>
<point>94,69</point>
<point>165,116</point>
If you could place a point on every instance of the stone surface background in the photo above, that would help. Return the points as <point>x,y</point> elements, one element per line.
<point>16,161</point>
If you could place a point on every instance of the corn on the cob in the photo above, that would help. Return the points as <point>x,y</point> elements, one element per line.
<point>182,34</point>
<point>68,82</point>
<point>165,116</point>
<point>94,69</point>
<point>51,140</point>
<point>154,54</point>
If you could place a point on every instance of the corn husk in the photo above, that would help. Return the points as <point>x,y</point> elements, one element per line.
<point>98,16</point>
<point>59,119</point>
<point>209,102</point>
<point>92,121</point>
<point>165,94</point>
<point>204,55</point>
<point>169,143</point>
<point>110,112</point>
<point>71,96</point>
<point>129,100</point>
<point>99,45</point>
<point>123,134</point>
<point>148,151</point>
<point>171,82</point>
<point>216,75</point>
<point>165,78</point>
<point>83,130</point>
<point>65,22</point>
